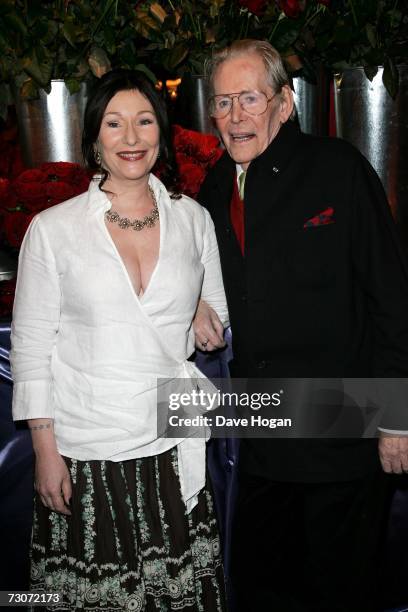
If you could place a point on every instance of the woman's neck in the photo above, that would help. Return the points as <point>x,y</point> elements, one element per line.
<point>129,197</point>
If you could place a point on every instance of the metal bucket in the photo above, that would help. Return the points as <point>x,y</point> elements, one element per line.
<point>191,110</point>
<point>50,127</point>
<point>312,104</point>
<point>377,125</point>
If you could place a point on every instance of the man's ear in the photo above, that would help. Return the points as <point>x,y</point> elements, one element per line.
<point>286,103</point>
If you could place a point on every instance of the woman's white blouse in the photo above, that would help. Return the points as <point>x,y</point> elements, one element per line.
<point>87,351</point>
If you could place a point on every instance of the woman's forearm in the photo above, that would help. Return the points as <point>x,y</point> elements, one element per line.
<point>42,435</point>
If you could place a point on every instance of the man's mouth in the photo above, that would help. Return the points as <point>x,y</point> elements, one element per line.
<point>131,156</point>
<point>244,137</point>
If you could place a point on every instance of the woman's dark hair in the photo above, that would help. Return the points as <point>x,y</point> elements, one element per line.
<point>108,86</point>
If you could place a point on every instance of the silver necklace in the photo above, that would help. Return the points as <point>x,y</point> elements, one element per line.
<point>137,224</point>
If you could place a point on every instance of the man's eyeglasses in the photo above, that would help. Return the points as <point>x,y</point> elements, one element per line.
<point>252,102</point>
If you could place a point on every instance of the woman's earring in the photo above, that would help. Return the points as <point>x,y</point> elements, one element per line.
<point>97,157</point>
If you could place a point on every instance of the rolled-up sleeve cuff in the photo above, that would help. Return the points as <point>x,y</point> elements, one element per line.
<point>32,400</point>
<point>395,432</point>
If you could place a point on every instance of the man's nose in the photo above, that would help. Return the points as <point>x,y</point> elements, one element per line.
<point>236,111</point>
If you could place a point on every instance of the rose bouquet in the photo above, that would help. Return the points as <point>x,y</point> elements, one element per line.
<point>34,190</point>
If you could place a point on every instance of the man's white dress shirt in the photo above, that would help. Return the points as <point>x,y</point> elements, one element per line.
<point>87,351</point>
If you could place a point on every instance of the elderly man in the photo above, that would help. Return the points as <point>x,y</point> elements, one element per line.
<point>317,287</point>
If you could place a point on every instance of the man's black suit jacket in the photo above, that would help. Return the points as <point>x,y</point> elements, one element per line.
<point>329,300</point>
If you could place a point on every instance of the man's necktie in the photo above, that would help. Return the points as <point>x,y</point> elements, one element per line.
<point>241,185</point>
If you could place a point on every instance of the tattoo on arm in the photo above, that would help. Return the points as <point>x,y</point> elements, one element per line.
<point>42,426</point>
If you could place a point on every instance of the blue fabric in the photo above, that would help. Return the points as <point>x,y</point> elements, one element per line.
<point>222,460</point>
<point>16,482</point>
<point>222,453</point>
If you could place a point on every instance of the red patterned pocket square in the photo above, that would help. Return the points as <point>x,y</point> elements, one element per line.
<point>323,218</point>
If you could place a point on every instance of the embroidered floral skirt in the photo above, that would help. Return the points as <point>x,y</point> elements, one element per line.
<point>128,544</point>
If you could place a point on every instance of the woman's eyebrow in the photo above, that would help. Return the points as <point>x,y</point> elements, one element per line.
<point>119,114</point>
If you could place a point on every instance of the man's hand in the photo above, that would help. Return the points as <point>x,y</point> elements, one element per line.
<point>209,331</point>
<point>393,451</point>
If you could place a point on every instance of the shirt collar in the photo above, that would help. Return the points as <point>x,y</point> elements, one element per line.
<point>240,170</point>
<point>98,200</point>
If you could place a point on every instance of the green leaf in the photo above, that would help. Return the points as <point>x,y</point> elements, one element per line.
<point>40,71</point>
<point>29,89</point>
<point>342,35</point>
<point>98,62</point>
<point>41,30</point>
<point>15,24</point>
<point>285,34</point>
<point>73,85</point>
<point>143,68</point>
<point>146,24</point>
<point>371,34</point>
<point>69,32</point>
<point>6,100</point>
<point>81,69</point>
<point>176,56</point>
<point>3,110</point>
<point>370,72</point>
<point>391,77</point>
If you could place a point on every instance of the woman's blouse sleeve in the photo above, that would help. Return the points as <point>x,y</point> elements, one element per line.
<point>36,315</point>
<point>213,288</point>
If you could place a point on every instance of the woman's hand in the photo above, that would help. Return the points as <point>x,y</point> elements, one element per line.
<point>53,482</point>
<point>209,331</point>
<point>52,479</point>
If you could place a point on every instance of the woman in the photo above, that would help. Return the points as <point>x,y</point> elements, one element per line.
<point>107,288</point>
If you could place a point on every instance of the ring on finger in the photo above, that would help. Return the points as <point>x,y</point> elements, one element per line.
<point>204,344</point>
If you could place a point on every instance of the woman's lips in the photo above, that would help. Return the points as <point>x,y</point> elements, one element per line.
<point>131,156</point>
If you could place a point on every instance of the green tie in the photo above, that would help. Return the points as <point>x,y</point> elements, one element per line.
<point>241,185</point>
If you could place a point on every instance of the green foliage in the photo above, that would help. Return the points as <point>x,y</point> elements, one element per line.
<point>73,40</point>
<point>79,39</point>
<point>368,33</point>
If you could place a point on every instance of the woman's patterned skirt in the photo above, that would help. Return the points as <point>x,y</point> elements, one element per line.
<point>129,545</point>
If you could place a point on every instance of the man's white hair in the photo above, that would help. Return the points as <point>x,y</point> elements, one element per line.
<point>275,70</point>
<point>276,73</point>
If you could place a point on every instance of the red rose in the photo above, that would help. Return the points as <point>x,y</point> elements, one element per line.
<point>63,171</point>
<point>32,176</point>
<point>57,192</point>
<point>291,8</point>
<point>257,7</point>
<point>207,152</point>
<point>7,289</point>
<point>183,159</point>
<point>191,177</point>
<point>199,146</point>
<point>81,185</point>
<point>15,225</point>
<point>31,196</point>
<point>4,190</point>
<point>178,136</point>
<point>8,201</point>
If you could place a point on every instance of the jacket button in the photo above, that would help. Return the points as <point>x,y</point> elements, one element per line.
<point>244,297</point>
<point>261,364</point>
<point>227,231</point>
